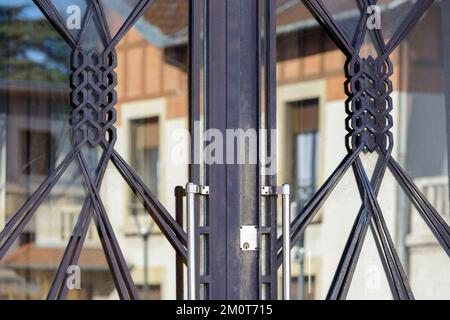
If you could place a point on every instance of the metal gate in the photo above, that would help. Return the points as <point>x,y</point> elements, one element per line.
<point>369,122</point>
<point>93,98</point>
<point>219,265</point>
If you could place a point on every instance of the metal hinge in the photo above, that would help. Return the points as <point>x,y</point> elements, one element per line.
<point>196,189</point>
<point>285,189</point>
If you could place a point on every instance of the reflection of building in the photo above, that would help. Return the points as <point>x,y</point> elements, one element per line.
<point>38,263</point>
<point>310,77</point>
<point>311,117</point>
<point>32,147</point>
<point>36,137</point>
<point>153,104</point>
<point>153,95</point>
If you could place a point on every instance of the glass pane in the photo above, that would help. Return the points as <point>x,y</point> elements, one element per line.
<point>369,279</point>
<point>36,138</point>
<point>388,16</point>
<point>96,281</point>
<point>346,13</point>
<point>117,12</point>
<point>422,135</point>
<point>311,128</point>
<point>393,15</point>
<point>153,115</point>
<point>28,269</point>
<point>73,13</point>
<point>311,143</point>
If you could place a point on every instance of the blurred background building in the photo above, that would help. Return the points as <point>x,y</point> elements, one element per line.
<point>153,104</point>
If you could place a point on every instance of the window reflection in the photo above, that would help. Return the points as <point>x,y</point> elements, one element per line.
<point>34,111</point>
<point>153,103</point>
<point>35,138</point>
<point>145,156</point>
<point>310,66</point>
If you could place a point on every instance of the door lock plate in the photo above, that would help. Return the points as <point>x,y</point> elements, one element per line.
<point>249,238</point>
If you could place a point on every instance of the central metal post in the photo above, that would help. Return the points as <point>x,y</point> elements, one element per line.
<point>234,88</point>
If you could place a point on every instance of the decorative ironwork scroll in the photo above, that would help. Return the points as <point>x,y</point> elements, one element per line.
<point>93,98</point>
<point>369,122</point>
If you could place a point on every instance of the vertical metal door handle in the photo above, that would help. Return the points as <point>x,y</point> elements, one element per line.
<point>192,190</point>
<point>285,193</point>
<point>191,267</point>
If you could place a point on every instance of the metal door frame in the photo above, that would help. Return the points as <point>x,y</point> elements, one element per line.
<point>234,82</point>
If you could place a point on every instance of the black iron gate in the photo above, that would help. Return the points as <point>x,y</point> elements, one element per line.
<point>239,39</point>
<point>93,99</point>
<point>369,122</point>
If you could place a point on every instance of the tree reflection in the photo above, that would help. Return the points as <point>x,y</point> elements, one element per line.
<point>30,50</point>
